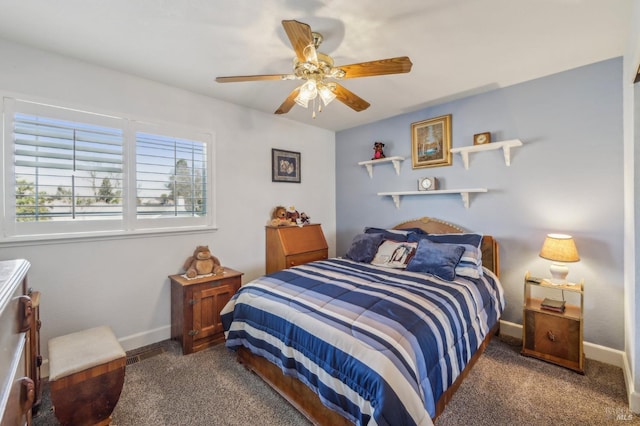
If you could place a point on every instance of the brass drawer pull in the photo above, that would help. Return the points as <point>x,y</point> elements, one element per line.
<point>551,336</point>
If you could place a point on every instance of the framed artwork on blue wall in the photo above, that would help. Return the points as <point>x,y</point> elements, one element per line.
<point>431,142</point>
<point>285,166</point>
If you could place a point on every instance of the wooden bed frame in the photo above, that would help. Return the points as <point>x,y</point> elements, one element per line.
<point>308,403</point>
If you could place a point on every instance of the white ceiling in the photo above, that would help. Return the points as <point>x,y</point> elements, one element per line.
<point>458,47</point>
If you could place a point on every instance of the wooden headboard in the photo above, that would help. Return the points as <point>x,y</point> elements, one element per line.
<point>490,254</point>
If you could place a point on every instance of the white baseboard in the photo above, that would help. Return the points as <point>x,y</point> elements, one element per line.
<point>633,395</point>
<point>128,343</point>
<point>591,350</point>
<point>145,338</point>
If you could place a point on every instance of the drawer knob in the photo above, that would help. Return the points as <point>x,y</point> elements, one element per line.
<point>551,336</point>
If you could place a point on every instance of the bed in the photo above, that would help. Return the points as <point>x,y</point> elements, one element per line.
<point>353,341</point>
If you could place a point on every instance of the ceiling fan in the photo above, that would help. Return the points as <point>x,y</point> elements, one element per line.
<point>318,72</point>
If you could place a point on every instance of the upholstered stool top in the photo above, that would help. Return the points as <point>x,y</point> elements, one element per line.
<point>82,350</point>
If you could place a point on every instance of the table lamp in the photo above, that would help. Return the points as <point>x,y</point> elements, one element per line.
<point>559,248</point>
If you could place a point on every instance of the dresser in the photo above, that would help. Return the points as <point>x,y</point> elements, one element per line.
<point>288,246</point>
<point>196,305</point>
<point>19,344</point>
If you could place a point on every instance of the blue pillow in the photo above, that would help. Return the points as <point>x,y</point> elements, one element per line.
<point>439,259</point>
<point>364,247</point>
<point>470,264</point>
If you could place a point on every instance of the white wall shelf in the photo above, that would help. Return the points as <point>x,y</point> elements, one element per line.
<point>464,193</point>
<point>505,145</point>
<point>369,164</point>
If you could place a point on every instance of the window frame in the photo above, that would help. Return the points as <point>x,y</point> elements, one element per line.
<point>130,224</point>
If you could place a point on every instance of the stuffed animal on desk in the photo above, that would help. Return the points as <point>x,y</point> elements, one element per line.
<point>279,217</point>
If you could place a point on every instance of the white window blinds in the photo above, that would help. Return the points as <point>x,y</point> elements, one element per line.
<point>171,176</point>
<point>70,171</point>
<point>66,170</point>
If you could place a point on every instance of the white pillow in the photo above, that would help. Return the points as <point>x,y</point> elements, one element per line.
<point>394,254</point>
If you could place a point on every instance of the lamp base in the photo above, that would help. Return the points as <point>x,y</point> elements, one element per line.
<point>559,272</point>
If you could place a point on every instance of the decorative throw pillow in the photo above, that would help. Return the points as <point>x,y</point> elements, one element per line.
<point>364,247</point>
<point>394,254</point>
<point>439,259</point>
<point>470,264</point>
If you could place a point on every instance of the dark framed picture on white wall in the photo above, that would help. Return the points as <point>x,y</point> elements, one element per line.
<point>285,166</point>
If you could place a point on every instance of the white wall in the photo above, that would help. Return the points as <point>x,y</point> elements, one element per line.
<point>123,282</point>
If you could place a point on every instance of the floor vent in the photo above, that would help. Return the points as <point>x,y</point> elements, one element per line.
<point>133,359</point>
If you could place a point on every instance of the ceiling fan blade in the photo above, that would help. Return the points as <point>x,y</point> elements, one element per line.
<point>288,103</point>
<point>301,40</point>
<point>236,78</point>
<point>350,99</point>
<point>397,65</point>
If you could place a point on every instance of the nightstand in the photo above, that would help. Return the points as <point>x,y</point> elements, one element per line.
<point>196,306</point>
<point>549,335</point>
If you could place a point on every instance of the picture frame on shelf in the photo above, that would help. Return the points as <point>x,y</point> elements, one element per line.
<point>431,142</point>
<point>285,166</point>
<point>482,138</point>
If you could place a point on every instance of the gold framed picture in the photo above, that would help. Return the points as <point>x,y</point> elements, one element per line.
<point>431,142</point>
<point>482,138</point>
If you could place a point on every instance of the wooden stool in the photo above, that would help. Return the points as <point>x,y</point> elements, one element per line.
<point>86,373</point>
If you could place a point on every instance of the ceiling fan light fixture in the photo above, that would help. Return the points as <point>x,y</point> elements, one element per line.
<point>326,94</point>
<point>308,91</point>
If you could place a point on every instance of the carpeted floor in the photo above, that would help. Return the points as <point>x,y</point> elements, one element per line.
<point>210,388</point>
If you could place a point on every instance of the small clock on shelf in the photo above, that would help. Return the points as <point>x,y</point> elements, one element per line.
<point>481,138</point>
<point>427,184</point>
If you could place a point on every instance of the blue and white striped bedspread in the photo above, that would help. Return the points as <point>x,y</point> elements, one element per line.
<point>378,345</point>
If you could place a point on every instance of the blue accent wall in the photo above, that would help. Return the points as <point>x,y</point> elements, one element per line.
<point>567,177</point>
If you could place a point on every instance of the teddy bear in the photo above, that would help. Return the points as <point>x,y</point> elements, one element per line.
<point>293,215</point>
<point>378,151</point>
<point>279,217</point>
<point>202,263</point>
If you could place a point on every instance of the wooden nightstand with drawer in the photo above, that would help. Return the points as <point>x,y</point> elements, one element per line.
<point>553,336</point>
<point>288,246</point>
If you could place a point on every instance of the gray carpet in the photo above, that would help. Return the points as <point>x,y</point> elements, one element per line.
<point>504,388</point>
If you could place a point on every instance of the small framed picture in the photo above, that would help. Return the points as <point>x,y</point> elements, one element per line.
<point>482,138</point>
<point>285,166</point>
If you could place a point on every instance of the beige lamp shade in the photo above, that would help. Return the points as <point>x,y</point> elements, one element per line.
<point>559,248</point>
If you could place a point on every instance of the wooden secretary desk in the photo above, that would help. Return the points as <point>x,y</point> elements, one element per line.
<point>288,246</point>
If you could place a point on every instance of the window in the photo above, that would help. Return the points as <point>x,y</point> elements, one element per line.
<point>66,170</point>
<point>69,171</point>
<point>171,176</point>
